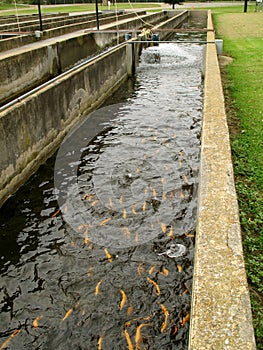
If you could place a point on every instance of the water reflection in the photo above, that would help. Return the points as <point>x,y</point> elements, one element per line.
<point>91,274</point>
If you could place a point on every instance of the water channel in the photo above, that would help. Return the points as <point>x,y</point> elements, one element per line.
<point>96,249</point>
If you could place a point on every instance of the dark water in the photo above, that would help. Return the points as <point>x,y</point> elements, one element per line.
<point>97,248</point>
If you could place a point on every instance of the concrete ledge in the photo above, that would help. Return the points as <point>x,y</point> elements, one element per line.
<point>221,312</point>
<point>175,18</point>
<point>31,129</point>
<point>33,126</point>
<point>55,30</point>
<point>13,18</point>
<point>30,66</point>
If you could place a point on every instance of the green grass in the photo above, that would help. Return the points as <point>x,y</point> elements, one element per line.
<point>231,9</point>
<point>244,84</point>
<point>8,6</point>
<point>73,8</point>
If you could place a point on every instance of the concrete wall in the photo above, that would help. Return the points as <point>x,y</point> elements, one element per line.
<point>175,19</point>
<point>22,18</point>
<point>22,71</point>
<point>83,23</point>
<point>31,24</point>
<point>221,312</point>
<point>32,127</point>
<point>30,130</point>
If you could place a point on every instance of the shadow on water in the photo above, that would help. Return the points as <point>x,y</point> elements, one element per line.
<point>111,266</point>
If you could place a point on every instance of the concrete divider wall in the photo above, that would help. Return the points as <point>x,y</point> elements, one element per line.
<point>102,21</point>
<point>64,25</point>
<point>23,71</point>
<point>221,312</point>
<point>31,129</point>
<point>18,41</point>
<point>14,18</point>
<point>175,19</point>
<point>33,24</point>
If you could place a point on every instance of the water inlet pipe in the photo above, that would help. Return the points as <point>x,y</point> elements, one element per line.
<point>51,81</point>
<point>172,41</point>
<point>219,46</point>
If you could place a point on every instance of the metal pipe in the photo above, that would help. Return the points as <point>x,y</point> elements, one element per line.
<point>97,15</point>
<point>170,41</point>
<point>157,30</point>
<point>51,81</point>
<point>40,17</point>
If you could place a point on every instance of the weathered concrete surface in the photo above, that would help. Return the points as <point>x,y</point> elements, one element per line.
<point>26,68</point>
<point>174,20</point>
<point>31,129</point>
<point>72,26</point>
<point>13,18</point>
<point>33,126</point>
<point>221,312</point>
<point>32,23</point>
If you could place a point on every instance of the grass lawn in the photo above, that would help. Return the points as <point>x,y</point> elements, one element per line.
<point>73,8</point>
<point>242,80</point>
<point>9,6</point>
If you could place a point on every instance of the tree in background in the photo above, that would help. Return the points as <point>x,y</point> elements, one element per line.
<point>173,2</point>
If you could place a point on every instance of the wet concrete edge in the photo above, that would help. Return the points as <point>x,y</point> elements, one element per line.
<point>221,312</point>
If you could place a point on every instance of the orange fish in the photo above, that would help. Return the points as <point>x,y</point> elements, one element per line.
<point>152,269</point>
<point>94,202</point>
<point>166,315</point>
<point>4,345</point>
<point>104,222</point>
<point>163,180</point>
<point>140,269</point>
<point>100,343</point>
<point>138,337</point>
<point>88,197</point>
<point>67,314</point>
<point>165,272</point>
<point>35,322</point>
<point>157,288</point>
<point>126,231</point>
<point>86,239</point>
<point>128,339</point>
<point>109,257</point>
<point>185,320</point>
<point>123,300</point>
<point>163,227</point>
<point>130,310</point>
<point>180,268</point>
<point>56,213</point>
<point>185,178</point>
<point>97,288</point>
